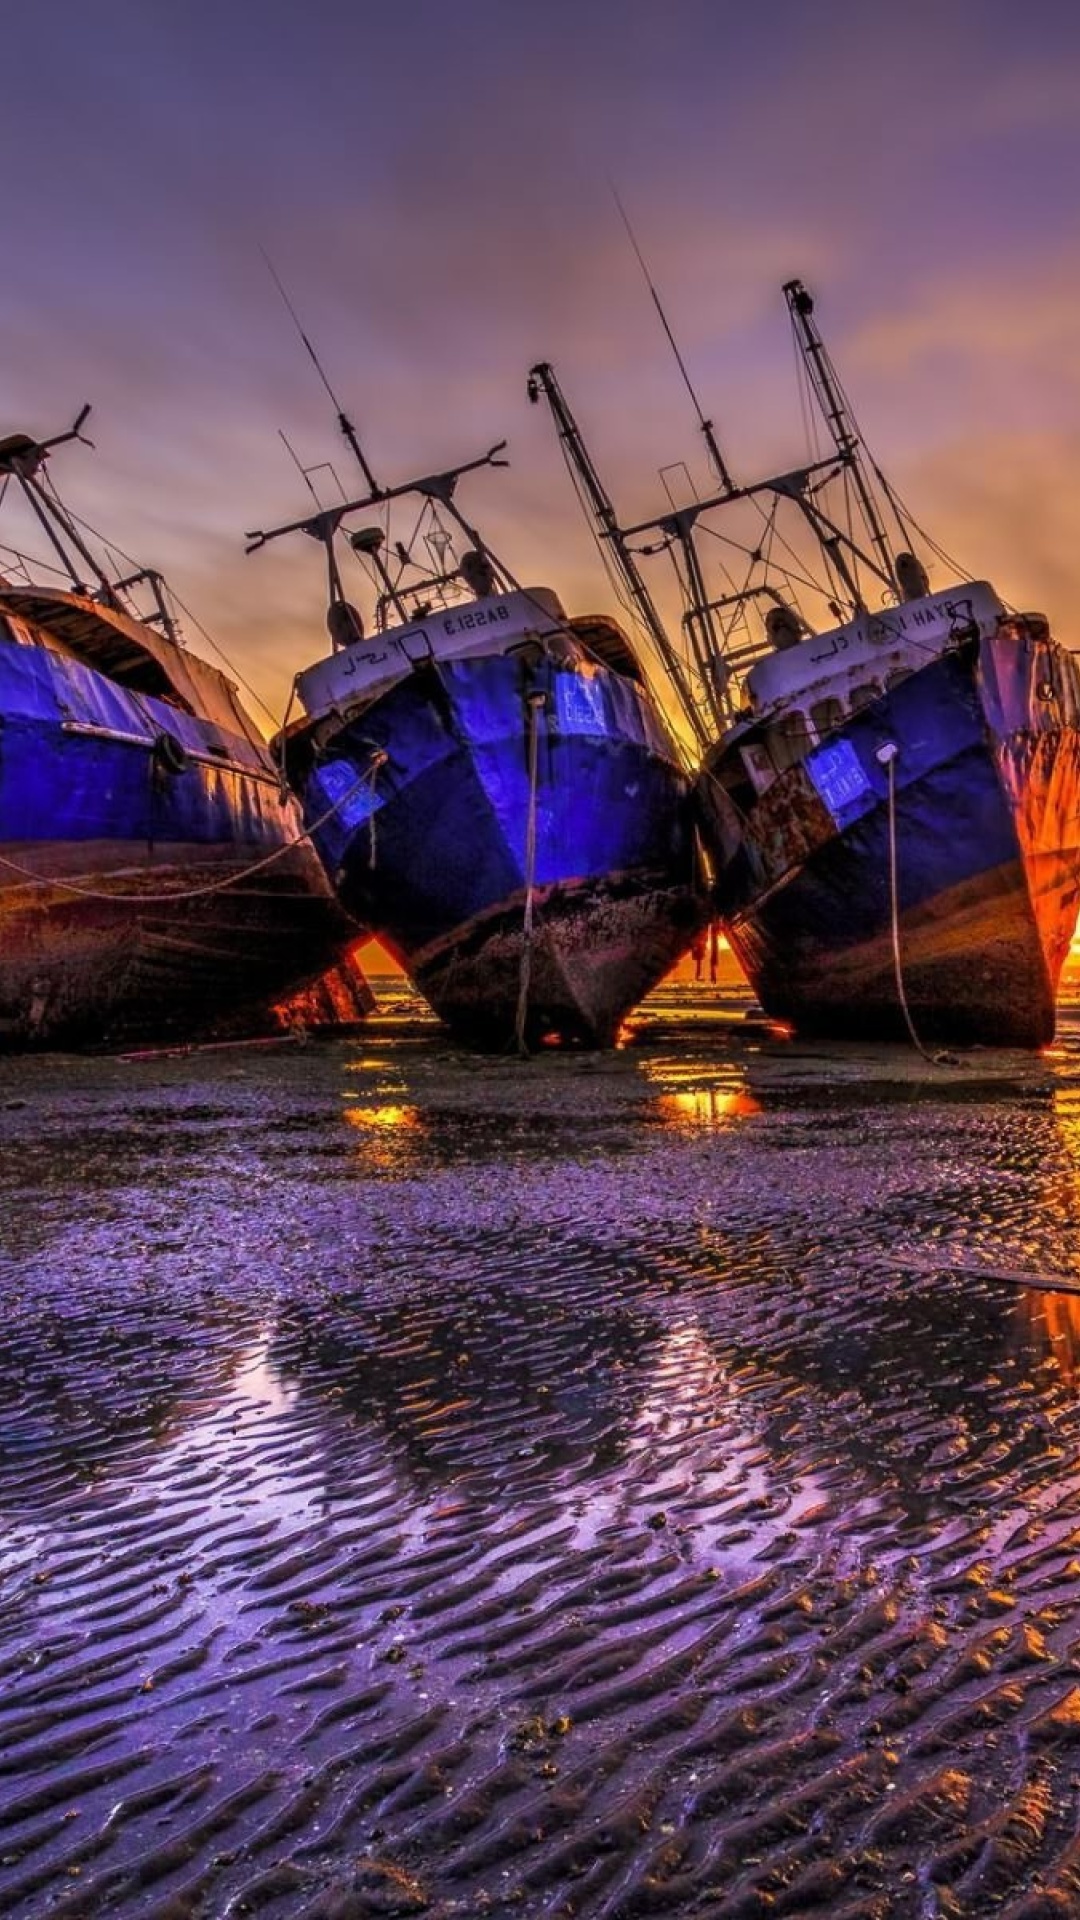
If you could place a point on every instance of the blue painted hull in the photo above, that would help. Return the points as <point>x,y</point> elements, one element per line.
<point>430,853</point>
<point>86,802</point>
<point>988,857</point>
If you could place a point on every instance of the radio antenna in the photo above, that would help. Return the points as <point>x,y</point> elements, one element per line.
<point>719,463</point>
<point>344,422</point>
<point>299,465</point>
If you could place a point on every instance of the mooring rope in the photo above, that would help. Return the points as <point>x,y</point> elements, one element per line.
<point>536,703</point>
<point>211,886</point>
<point>379,758</point>
<point>886,756</point>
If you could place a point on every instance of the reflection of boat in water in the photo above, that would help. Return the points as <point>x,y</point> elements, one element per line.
<point>891,805</point>
<point>507,809</point>
<point>153,877</point>
<point>480,1378</point>
<point>123,1382</point>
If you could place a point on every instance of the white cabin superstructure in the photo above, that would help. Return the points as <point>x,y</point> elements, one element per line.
<point>855,662</point>
<point>797,697</point>
<point>368,668</point>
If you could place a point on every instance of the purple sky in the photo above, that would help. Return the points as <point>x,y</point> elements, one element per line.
<point>432,183</point>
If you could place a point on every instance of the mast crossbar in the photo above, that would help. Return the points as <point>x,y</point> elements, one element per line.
<point>433,486</point>
<point>787,485</point>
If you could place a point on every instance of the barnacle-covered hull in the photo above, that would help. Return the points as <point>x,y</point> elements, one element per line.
<point>986,776</point>
<point>430,846</point>
<point>597,949</point>
<point>114,806</point>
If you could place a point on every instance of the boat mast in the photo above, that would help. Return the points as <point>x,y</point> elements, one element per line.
<point>436,487</point>
<point>345,424</point>
<point>350,434</point>
<point>837,416</point>
<point>23,457</point>
<point>699,623</point>
<point>542,381</point>
<point>720,466</point>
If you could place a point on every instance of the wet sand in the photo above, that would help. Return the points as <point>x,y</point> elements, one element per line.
<point>443,1486</point>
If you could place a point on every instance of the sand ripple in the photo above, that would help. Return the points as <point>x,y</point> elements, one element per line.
<point>589,1488</point>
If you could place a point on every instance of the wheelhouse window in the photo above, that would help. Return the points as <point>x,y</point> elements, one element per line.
<point>789,741</point>
<point>863,695</point>
<point>758,763</point>
<point>826,716</point>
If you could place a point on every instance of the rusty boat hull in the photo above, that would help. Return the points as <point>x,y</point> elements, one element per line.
<point>107,972</point>
<point>130,825</point>
<point>598,948</point>
<point>430,849</point>
<point>987,855</point>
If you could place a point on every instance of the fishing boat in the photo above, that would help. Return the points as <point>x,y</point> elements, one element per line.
<point>894,813</point>
<point>894,824</point>
<point>490,783</point>
<point>155,879</point>
<point>890,798</point>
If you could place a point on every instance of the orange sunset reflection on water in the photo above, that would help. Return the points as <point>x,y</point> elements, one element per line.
<point>390,1135</point>
<point>692,1097</point>
<point>703,1107</point>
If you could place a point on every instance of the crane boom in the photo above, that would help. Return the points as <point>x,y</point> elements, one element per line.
<point>837,416</point>
<point>606,526</point>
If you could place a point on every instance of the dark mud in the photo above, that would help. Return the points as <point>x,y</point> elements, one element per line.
<point>591,1487</point>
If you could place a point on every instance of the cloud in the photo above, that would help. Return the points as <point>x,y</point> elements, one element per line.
<point>437,201</point>
<point>1005,505</point>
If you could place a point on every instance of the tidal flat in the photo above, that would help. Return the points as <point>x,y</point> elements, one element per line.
<point>588,1487</point>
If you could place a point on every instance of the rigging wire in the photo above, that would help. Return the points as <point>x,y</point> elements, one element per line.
<point>628,606</point>
<point>805,580</point>
<point>905,520</point>
<point>28,560</point>
<point>130,561</point>
<point>909,522</point>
